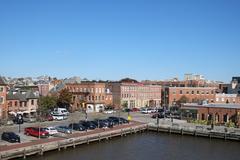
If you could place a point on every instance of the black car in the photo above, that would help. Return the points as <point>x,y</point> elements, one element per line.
<point>100,123</point>
<point>88,124</point>
<point>11,137</point>
<point>117,120</point>
<point>18,119</point>
<point>158,115</point>
<point>77,127</point>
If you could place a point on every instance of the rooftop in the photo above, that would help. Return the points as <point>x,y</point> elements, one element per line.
<point>212,105</point>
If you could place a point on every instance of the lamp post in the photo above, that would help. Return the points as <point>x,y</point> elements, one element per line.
<point>19,119</point>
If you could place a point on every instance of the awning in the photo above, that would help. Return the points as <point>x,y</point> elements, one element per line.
<point>12,113</point>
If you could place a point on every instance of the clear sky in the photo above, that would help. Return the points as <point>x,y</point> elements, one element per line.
<point>113,39</point>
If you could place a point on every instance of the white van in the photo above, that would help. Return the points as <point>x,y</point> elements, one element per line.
<point>61,111</point>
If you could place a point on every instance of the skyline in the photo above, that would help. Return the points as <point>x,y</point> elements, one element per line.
<point>112,40</point>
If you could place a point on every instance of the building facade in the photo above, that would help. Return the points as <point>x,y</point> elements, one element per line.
<point>92,96</point>
<point>22,102</point>
<point>3,101</point>
<point>226,98</point>
<point>216,113</point>
<point>135,95</point>
<point>171,95</point>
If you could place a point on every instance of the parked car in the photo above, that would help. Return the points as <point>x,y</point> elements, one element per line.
<point>64,129</point>
<point>100,124</point>
<point>18,119</point>
<point>109,111</point>
<point>29,119</point>
<point>51,130</point>
<point>148,110</point>
<point>36,132</point>
<point>159,115</point>
<point>118,120</point>
<point>106,122</point>
<point>11,137</point>
<point>59,117</point>
<point>77,127</point>
<point>88,124</point>
<point>135,110</point>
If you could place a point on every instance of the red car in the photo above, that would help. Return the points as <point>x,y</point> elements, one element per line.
<point>135,110</point>
<point>36,132</point>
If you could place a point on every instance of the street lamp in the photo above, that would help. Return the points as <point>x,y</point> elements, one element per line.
<point>19,120</point>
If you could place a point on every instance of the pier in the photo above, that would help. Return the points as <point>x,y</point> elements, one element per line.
<point>198,131</point>
<point>38,147</point>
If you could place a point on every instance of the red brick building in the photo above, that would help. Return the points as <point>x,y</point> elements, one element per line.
<point>22,102</point>
<point>218,113</point>
<point>135,95</point>
<point>92,96</point>
<point>171,95</point>
<point>3,101</point>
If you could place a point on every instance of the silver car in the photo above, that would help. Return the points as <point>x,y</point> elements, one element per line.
<point>64,129</point>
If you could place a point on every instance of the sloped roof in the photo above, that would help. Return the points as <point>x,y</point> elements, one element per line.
<point>20,96</point>
<point>2,81</point>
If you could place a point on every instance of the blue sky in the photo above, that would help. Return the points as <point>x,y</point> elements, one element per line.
<point>112,39</point>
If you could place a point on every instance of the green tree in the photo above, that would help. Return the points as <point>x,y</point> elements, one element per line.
<point>183,99</point>
<point>64,98</point>
<point>46,103</point>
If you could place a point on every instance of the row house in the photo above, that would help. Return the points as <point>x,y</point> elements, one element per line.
<point>22,102</point>
<point>171,95</point>
<point>91,96</point>
<point>135,95</point>
<point>3,102</point>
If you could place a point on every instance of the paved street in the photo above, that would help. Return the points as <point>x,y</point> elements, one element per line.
<point>77,116</point>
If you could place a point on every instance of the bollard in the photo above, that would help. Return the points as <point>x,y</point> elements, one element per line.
<point>24,154</point>
<point>121,132</point>
<point>41,150</point>
<point>99,139</point>
<point>59,148</point>
<point>74,146</point>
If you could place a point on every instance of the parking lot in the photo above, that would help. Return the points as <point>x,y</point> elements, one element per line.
<point>72,118</point>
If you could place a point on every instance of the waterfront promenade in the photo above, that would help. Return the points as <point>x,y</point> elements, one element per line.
<point>40,146</point>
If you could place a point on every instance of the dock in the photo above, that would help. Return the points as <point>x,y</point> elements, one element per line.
<point>39,147</point>
<point>197,131</point>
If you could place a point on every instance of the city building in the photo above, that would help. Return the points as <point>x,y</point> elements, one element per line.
<point>22,102</point>
<point>226,98</point>
<point>43,89</point>
<point>132,94</point>
<point>3,102</point>
<point>92,96</point>
<point>216,113</point>
<point>172,95</point>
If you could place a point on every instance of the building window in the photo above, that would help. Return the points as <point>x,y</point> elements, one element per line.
<point>103,98</point>
<point>203,116</point>
<point>32,102</point>
<point>222,99</point>
<point>197,92</point>
<point>187,92</point>
<point>1,89</point>
<point>192,92</point>
<point>174,92</point>
<point>217,99</point>
<point>89,98</point>
<point>92,90</point>
<point>93,98</point>
<point>212,92</point>
<point>96,90</point>
<point>100,90</point>
<point>1,100</point>
<point>16,103</point>
<point>181,92</point>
